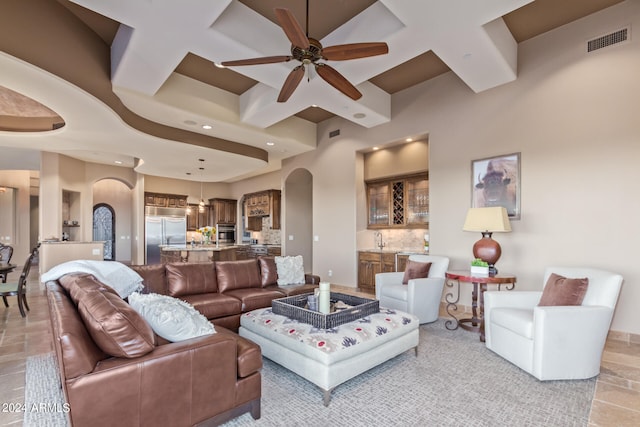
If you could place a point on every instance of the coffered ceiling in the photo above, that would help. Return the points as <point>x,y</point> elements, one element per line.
<point>162,70</point>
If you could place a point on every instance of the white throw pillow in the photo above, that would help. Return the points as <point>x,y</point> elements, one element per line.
<point>290,270</point>
<point>171,318</point>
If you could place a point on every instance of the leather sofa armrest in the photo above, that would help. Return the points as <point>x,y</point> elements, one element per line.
<point>175,384</point>
<point>311,279</point>
<point>249,354</point>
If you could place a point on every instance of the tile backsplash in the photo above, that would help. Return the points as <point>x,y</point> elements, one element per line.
<point>399,240</point>
<point>267,236</point>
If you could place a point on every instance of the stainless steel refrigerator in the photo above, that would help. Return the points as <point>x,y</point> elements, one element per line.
<point>163,227</point>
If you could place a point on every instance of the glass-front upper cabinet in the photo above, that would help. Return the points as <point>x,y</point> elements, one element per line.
<point>378,203</point>
<point>417,201</point>
<point>400,202</point>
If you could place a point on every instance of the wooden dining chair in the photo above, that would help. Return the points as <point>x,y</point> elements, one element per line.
<point>19,288</point>
<point>5,257</point>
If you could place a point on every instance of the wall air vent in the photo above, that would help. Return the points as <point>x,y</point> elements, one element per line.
<point>334,133</point>
<point>616,37</point>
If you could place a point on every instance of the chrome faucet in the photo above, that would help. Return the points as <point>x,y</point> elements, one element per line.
<point>378,238</point>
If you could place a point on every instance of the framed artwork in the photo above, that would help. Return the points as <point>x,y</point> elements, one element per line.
<point>495,181</point>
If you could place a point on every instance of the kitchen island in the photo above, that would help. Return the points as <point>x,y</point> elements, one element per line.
<point>208,253</point>
<point>198,253</point>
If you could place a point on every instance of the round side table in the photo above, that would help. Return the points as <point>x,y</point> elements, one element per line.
<point>475,323</point>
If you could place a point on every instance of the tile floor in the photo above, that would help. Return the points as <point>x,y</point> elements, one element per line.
<point>616,401</point>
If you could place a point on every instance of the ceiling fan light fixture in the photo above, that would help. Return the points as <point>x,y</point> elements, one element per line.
<point>307,51</point>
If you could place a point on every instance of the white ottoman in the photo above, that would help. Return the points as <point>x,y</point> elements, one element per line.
<point>330,357</point>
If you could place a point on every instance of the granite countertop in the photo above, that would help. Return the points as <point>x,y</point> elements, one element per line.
<point>399,251</point>
<point>66,242</point>
<point>198,248</point>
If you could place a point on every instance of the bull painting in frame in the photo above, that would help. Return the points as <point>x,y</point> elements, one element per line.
<point>495,181</point>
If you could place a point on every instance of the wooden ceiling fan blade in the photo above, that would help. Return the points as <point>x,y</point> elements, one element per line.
<point>292,28</point>
<point>354,50</point>
<point>291,83</point>
<point>257,61</point>
<point>337,80</point>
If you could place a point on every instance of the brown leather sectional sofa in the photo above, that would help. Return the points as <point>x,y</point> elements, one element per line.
<point>223,290</point>
<point>115,371</point>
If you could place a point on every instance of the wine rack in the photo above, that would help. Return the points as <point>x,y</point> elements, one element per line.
<point>398,203</point>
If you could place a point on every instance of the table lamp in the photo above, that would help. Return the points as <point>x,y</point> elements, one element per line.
<point>487,221</point>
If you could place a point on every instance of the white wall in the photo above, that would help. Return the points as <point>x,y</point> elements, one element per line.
<point>119,196</point>
<point>573,117</point>
<point>20,182</point>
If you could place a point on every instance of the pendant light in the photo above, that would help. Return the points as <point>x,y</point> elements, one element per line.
<point>201,205</point>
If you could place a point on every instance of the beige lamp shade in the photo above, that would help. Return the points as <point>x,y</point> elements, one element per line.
<point>493,219</point>
<point>487,221</point>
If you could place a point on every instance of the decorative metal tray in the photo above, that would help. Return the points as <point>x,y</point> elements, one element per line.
<point>294,307</point>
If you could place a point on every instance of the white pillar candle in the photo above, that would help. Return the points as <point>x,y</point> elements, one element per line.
<point>324,299</point>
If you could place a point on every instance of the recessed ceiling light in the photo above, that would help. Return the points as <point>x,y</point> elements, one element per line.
<point>409,139</point>
<point>219,65</point>
<point>314,105</point>
<point>359,115</point>
<point>118,162</point>
<point>270,143</point>
<point>376,148</point>
<point>206,127</point>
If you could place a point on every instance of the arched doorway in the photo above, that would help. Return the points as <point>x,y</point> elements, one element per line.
<point>104,229</point>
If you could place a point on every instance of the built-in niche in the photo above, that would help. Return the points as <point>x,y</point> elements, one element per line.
<point>71,215</point>
<point>395,196</point>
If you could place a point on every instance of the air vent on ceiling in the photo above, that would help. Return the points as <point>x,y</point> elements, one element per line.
<point>334,133</point>
<point>616,37</point>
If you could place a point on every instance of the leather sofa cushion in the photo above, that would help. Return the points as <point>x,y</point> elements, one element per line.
<point>268,270</point>
<point>238,274</point>
<point>254,298</point>
<point>114,326</point>
<point>190,278</point>
<point>153,276</point>
<point>214,305</point>
<point>78,352</point>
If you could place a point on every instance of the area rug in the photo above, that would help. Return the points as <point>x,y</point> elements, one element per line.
<point>43,397</point>
<point>454,381</point>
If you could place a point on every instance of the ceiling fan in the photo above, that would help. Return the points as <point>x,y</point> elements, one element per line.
<point>309,51</point>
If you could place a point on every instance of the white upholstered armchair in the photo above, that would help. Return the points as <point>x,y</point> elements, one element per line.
<point>553,342</point>
<point>420,297</point>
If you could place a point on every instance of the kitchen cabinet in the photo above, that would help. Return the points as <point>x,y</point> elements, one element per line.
<point>165,200</point>
<point>242,252</point>
<point>371,263</point>
<point>197,217</point>
<point>192,217</point>
<point>274,251</point>
<point>222,211</point>
<point>260,205</point>
<point>401,202</point>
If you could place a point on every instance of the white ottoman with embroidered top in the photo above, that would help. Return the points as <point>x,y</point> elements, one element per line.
<point>329,357</point>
